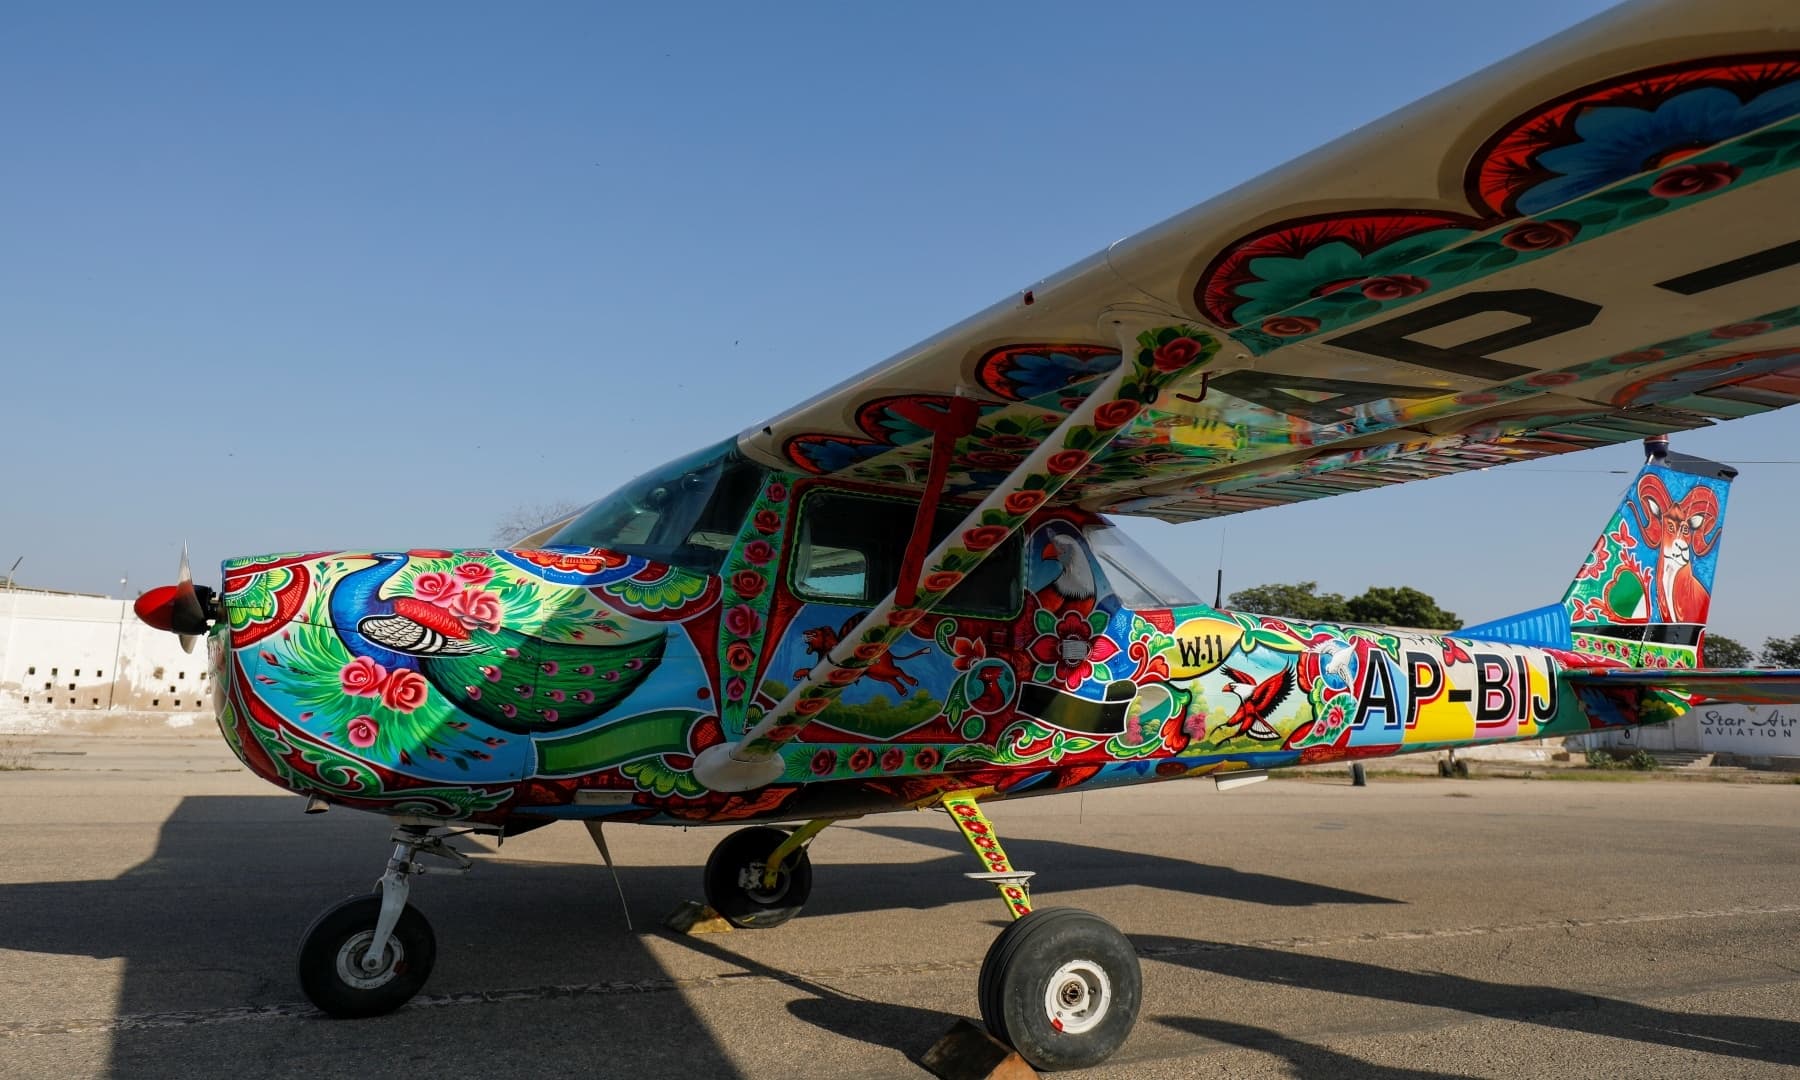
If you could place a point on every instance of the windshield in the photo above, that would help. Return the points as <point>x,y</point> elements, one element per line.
<point>1137,578</point>
<point>686,513</point>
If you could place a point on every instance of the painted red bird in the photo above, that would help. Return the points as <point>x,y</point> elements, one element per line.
<point>1259,699</point>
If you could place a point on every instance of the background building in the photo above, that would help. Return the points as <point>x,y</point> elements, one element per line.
<point>75,661</point>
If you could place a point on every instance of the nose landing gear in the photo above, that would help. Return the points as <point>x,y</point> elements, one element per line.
<point>370,954</point>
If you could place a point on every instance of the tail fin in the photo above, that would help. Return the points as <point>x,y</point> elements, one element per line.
<point>1642,593</point>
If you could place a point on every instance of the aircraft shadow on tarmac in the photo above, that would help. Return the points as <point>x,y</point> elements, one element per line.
<point>1751,1038</point>
<point>209,923</point>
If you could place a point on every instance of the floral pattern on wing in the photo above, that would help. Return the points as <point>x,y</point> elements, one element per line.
<point>1326,255</point>
<point>1648,120</point>
<point>1030,372</point>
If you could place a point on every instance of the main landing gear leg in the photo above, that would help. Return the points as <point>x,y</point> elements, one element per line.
<point>370,954</point>
<point>1060,986</point>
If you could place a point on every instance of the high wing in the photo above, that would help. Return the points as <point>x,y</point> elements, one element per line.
<point>1589,243</point>
<point>1749,686</point>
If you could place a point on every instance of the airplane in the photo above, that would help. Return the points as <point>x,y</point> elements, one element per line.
<point>908,593</point>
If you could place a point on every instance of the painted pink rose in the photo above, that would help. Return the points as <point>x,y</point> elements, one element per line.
<point>766,521</point>
<point>1552,378</point>
<point>1022,502</point>
<point>474,573</point>
<point>759,551</point>
<point>1697,178</point>
<point>362,731</point>
<point>362,677</point>
<point>735,688</point>
<point>739,656</point>
<point>477,607</point>
<point>776,492</point>
<point>1175,355</point>
<point>1394,286</point>
<point>1540,235</point>
<point>741,621</point>
<point>942,581</point>
<point>748,583</point>
<point>1743,329</point>
<point>892,758</point>
<point>404,690</point>
<point>1066,461</point>
<point>823,762</point>
<point>435,588</point>
<point>1290,325</point>
<point>809,706</point>
<point>982,537</point>
<point>1114,413</point>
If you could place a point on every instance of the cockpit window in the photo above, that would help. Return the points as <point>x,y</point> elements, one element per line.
<point>1137,579</point>
<point>686,513</point>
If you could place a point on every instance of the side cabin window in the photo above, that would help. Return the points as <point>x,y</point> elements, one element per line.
<point>1137,579</point>
<point>849,547</point>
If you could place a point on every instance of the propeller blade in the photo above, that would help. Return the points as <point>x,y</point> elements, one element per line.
<point>188,610</point>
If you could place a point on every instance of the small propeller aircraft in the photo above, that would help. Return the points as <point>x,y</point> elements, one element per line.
<point>904,593</point>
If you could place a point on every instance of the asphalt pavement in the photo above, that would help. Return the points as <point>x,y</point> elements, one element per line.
<point>152,896</point>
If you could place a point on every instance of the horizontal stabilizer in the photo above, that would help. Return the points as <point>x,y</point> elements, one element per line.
<point>1746,685</point>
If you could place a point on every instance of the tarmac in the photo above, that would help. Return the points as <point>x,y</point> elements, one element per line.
<point>153,893</point>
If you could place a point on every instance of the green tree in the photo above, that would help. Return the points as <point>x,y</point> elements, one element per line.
<point>1300,600</point>
<point>1402,605</point>
<point>1717,650</point>
<point>1781,652</point>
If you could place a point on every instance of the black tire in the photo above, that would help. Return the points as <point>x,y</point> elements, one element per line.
<point>733,882</point>
<point>1078,960</point>
<point>330,955</point>
<point>1443,768</point>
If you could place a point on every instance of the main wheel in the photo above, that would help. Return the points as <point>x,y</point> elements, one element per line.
<point>1062,988</point>
<point>734,879</point>
<point>332,952</point>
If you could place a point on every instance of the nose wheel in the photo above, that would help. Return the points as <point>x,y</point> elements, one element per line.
<point>345,977</point>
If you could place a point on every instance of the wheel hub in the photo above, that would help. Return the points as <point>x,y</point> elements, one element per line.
<point>355,950</point>
<point>1077,997</point>
<point>750,879</point>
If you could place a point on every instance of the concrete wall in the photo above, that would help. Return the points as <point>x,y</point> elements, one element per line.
<point>86,662</point>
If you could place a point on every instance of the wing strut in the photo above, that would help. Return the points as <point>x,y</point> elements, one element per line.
<point>1157,358</point>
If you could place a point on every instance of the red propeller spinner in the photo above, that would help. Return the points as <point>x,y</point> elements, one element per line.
<point>177,608</point>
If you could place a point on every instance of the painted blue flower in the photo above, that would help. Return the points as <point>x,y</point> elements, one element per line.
<point>1032,375</point>
<point>1620,141</point>
<point>1285,282</point>
<point>828,455</point>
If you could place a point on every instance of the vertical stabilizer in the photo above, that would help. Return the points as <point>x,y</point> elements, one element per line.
<point>1643,591</point>
<point>1642,594</point>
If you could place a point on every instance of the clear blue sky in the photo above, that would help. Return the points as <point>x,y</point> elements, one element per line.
<point>346,275</point>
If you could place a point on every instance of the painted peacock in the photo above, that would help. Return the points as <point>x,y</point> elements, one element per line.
<point>511,680</point>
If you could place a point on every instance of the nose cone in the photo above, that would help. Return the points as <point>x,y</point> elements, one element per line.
<point>157,608</point>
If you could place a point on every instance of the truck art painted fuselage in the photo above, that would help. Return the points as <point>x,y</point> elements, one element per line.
<point>508,687</point>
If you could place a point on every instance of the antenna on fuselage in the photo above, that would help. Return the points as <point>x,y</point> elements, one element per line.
<point>1219,575</point>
